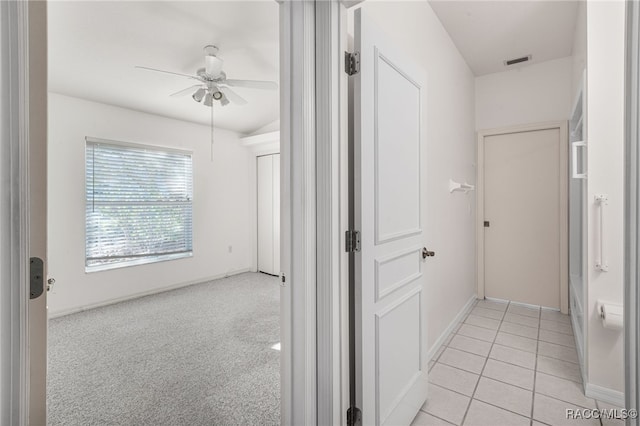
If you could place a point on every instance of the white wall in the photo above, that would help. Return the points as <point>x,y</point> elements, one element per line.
<point>605,134</point>
<point>531,94</point>
<point>450,153</point>
<point>579,51</point>
<point>223,200</point>
<point>274,126</point>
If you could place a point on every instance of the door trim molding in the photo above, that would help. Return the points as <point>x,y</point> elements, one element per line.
<point>14,125</point>
<point>632,211</point>
<point>300,324</point>
<point>562,126</point>
<point>329,113</point>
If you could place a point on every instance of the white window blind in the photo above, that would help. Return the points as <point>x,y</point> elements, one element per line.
<point>138,205</point>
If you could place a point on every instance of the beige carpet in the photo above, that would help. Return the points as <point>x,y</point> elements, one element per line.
<point>200,355</point>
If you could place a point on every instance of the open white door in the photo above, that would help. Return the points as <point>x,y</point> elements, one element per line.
<point>390,328</point>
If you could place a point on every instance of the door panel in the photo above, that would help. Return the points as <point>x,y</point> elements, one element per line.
<point>522,205</point>
<point>390,329</point>
<point>265,214</point>
<point>276,213</point>
<point>397,149</point>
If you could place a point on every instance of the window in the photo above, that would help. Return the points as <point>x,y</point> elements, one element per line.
<point>139,204</point>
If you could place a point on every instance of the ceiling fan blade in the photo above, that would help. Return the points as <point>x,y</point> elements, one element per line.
<point>254,84</point>
<point>187,91</point>
<point>233,96</point>
<point>168,72</point>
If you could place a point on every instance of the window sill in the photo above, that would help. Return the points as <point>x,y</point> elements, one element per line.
<point>136,262</point>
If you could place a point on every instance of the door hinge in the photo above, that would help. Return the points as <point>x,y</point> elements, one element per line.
<point>352,63</point>
<point>352,241</point>
<point>354,416</point>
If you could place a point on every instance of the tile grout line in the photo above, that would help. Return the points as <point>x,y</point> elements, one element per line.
<point>535,371</point>
<point>439,418</point>
<point>507,362</point>
<point>444,347</point>
<point>434,363</point>
<point>482,371</point>
<point>515,323</point>
<point>487,357</point>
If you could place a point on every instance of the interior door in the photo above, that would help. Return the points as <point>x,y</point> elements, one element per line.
<point>522,208</point>
<point>276,213</point>
<point>390,328</point>
<point>265,214</point>
<point>269,214</point>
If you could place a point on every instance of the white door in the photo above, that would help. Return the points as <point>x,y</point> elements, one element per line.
<point>276,213</point>
<point>522,214</point>
<point>390,327</point>
<point>269,214</point>
<point>265,214</point>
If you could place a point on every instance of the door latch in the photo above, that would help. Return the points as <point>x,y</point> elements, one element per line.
<point>426,253</point>
<point>36,277</point>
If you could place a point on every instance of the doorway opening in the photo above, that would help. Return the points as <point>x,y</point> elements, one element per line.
<point>158,314</point>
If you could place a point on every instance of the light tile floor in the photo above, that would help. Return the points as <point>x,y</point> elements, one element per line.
<point>507,364</point>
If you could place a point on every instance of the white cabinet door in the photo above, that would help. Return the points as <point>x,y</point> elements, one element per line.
<point>390,327</point>
<point>265,214</point>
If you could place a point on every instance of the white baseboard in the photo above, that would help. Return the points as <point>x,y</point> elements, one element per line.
<point>604,394</point>
<point>65,312</point>
<point>436,346</point>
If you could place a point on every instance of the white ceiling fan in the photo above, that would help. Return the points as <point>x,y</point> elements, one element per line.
<point>213,82</point>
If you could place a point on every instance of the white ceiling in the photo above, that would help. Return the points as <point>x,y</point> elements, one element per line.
<point>94,46</point>
<point>489,32</point>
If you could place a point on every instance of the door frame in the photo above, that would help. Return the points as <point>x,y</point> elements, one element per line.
<point>632,211</point>
<point>312,369</point>
<point>15,216</point>
<point>562,126</point>
<point>313,137</point>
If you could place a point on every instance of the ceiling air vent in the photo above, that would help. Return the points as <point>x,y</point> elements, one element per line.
<point>517,60</point>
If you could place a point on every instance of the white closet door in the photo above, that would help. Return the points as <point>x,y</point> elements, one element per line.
<point>276,213</point>
<point>265,214</point>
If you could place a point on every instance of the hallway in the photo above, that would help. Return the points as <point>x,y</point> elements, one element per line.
<point>507,364</point>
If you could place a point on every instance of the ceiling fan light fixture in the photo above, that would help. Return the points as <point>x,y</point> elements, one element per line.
<point>208,100</point>
<point>217,95</point>
<point>224,101</point>
<point>198,95</point>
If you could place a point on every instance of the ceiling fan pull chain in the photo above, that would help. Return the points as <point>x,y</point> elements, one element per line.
<point>211,132</point>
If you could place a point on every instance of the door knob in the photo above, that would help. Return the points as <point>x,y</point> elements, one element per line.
<point>426,253</point>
